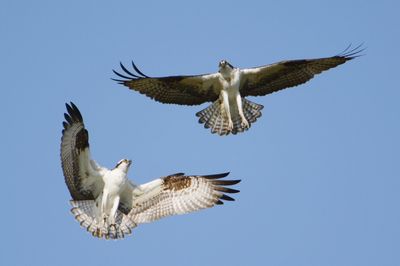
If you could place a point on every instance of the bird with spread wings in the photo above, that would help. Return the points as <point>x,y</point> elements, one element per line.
<point>109,205</point>
<point>230,111</point>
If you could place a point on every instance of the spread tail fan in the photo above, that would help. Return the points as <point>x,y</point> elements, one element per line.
<point>251,110</point>
<point>84,212</point>
<point>215,118</point>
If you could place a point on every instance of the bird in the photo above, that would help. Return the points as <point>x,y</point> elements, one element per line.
<point>227,89</point>
<point>109,205</point>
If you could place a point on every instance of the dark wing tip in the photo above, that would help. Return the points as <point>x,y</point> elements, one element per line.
<point>219,202</point>
<point>220,186</point>
<point>227,198</point>
<point>65,124</point>
<point>227,190</point>
<point>128,75</point>
<point>77,113</point>
<point>74,115</point>
<point>216,176</point>
<point>176,174</point>
<point>119,81</point>
<point>138,70</point>
<point>69,108</point>
<point>350,53</point>
<point>225,182</point>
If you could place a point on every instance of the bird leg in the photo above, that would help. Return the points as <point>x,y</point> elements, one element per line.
<point>103,208</point>
<point>225,101</point>
<point>97,208</point>
<point>113,211</point>
<point>244,123</point>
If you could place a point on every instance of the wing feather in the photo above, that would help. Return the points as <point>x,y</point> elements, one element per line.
<point>82,175</point>
<point>184,90</point>
<point>267,79</point>
<point>180,194</point>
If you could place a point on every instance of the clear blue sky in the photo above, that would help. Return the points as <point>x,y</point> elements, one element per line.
<point>320,170</point>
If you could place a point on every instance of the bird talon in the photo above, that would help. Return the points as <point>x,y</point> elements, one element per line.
<point>230,125</point>
<point>113,225</point>
<point>244,124</point>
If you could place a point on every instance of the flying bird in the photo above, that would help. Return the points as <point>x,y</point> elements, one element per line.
<point>230,111</point>
<point>109,205</point>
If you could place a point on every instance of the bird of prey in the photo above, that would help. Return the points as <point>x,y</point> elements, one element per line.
<point>230,111</point>
<point>109,205</point>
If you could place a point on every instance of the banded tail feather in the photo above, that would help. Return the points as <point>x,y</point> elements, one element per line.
<point>215,118</point>
<point>85,212</point>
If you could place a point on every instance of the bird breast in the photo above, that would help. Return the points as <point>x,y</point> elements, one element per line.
<point>231,81</point>
<point>114,181</point>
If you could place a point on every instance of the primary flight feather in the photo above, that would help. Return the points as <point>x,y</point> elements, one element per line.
<point>230,111</point>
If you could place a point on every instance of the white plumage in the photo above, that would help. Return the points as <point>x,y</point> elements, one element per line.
<point>230,111</point>
<point>109,205</point>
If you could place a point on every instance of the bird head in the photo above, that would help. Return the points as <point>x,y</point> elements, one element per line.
<point>124,165</point>
<point>224,64</point>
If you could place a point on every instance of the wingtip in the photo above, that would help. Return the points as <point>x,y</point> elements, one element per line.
<point>219,202</point>
<point>350,53</point>
<point>68,119</point>
<point>129,75</point>
<point>176,174</point>
<point>65,126</point>
<point>227,198</point>
<point>226,189</point>
<point>74,106</point>
<point>119,81</point>
<point>138,70</point>
<point>217,176</point>
<point>73,115</point>
<point>226,182</point>
<point>70,110</point>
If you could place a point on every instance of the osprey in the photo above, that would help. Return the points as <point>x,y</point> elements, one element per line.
<point>230,111</point>
<point>109,205</point>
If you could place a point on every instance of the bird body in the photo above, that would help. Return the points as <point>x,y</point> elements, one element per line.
<point>109,205</point>
<point>230,111</point>
<point>230,78</point>
<point>114,183</point>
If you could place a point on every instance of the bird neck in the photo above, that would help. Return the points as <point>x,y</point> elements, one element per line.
<point>226,72</point>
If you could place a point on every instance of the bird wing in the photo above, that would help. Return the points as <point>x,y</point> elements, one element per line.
<point>83,176</point>
<point>178,194</point>
<point>184,90</point>
<point>267,79</point>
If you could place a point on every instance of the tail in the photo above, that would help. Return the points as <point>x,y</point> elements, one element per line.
<point>84,212</point>
<point>214,117</point>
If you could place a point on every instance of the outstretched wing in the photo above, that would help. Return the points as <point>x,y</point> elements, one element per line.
<point>179,194</point>
<point>83,176</point>
<point>263,80</point>
<point>184,90</point>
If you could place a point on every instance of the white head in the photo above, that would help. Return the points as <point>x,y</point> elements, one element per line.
<point>225,65</point>
<point>124,165</point>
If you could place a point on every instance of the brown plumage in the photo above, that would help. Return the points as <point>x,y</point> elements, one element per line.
<point>228,87</point>
<point>110,208</point>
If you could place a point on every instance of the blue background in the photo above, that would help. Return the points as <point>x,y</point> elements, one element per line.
<point>320,169</point>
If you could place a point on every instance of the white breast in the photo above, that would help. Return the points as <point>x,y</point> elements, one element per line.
<point>114,181</point>
<point>230,81</point>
